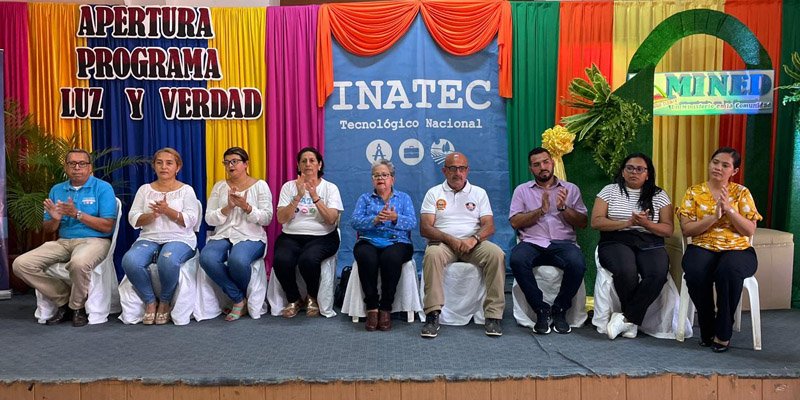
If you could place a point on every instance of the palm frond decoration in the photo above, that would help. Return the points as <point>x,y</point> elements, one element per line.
<point>793,71</point>
<point>609,123</point>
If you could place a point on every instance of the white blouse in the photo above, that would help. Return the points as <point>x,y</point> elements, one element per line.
<point>239,225</point>
<point>162,229</point>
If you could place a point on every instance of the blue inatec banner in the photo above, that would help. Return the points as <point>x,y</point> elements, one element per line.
<point>413,105</point>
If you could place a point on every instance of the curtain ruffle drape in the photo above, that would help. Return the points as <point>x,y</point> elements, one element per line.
<point>14,42</point>
<point>367,29</point>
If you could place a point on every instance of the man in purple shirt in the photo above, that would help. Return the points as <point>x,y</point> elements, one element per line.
<point>546,211</point>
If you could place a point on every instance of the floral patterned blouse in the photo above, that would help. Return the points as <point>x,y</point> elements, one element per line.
<point>698,202</point>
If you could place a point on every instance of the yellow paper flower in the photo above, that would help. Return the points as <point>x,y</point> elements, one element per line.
<point>558,141</point>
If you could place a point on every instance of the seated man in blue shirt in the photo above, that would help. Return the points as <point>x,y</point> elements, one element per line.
<point>83,210</point>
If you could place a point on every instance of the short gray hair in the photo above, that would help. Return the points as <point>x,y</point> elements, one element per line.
<point>385,162</point>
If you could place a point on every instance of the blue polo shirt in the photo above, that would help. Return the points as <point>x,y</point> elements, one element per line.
<point>95,197</point>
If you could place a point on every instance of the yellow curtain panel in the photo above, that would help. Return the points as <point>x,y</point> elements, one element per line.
<point>682,145</point>
<point>52,34</point>
<point>240,38</point>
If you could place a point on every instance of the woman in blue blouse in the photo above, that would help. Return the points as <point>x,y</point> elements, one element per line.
<point>384,219</point>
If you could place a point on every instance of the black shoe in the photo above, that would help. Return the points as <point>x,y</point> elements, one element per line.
<point>492,327</point>
<point>62,314</point>
<point>542,325</point>
<point>706,342</point>
<point>79,317</point>
<point>560,323</point>
<point>431,328</point>
<point>717,347</point>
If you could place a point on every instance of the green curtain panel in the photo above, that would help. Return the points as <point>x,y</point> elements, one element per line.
<point>786,202</point>
<point>532,109</point>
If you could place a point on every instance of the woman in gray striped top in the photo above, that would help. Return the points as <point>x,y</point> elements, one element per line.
<point>633,216</point>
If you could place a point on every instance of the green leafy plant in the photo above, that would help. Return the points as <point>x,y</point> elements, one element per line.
<point>35,162</point>
<point>794,89</point>
<point>609,123</point>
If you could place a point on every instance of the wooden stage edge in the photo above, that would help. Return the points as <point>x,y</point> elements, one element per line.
<point>656,387</point>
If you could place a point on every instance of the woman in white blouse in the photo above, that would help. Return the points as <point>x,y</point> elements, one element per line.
<point>309,209</point>
<point>239,207</point>
<point>633,216</point>
<point>166,211</point>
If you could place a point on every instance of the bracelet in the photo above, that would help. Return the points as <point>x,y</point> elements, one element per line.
<point>560,209</point>
<point>317,200</point>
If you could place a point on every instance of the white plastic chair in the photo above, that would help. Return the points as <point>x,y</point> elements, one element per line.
<point>464,292</point>
<point>183,301</point>
<point>548,278</point>
<point>211,299</point>
<point>276,296</point>
<point>750,284</point>
<point>661,318</point>
<point>103,297</point>
<point>406,298</point>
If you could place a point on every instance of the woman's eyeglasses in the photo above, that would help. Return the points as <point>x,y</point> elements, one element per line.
<point>634,169</point>
<point>381,176</point>
<point>231,163</point>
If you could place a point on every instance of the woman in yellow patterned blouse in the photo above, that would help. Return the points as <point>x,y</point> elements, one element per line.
<point>720,216</point>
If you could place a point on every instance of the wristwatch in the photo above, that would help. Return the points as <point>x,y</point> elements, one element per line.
<point>560,209</point>
<point>477,237</point>
<point>78,215</point>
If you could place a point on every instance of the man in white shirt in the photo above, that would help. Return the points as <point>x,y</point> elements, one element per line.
<point>457,220</point>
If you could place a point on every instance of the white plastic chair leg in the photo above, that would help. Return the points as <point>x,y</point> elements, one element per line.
<point>683,310</point>
<point>751,284</point>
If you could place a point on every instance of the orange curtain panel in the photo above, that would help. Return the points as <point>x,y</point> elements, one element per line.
<point>367,29</point>
<point>53,66</point>
<point>585,37</point>
<point>764,19</point>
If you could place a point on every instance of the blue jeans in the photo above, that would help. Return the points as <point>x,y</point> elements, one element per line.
<point>170,255</point>
<point>234,277</point>
<point>561,254</point>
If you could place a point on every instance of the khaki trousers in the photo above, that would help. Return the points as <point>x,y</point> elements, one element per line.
<point>486,255</point>
<point>81,255</point>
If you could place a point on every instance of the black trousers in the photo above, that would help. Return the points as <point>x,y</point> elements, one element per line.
<point>305,252</point>
<point>627,263</point>
<point>388,262</point>
<point>564,255</point>
<point>725,270</point>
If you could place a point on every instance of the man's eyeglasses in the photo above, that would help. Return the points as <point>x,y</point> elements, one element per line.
<point>381,176</point>
<point>460,168</point>
<point>634,169</point>
<point>231,163</point>
<point>78,164</point>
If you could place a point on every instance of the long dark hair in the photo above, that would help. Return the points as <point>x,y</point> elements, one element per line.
<point>649,188</point>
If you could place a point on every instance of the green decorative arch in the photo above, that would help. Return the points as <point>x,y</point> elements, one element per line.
<point>639,89</point>
<point>741,38</point>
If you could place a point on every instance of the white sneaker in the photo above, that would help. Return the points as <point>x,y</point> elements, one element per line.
<point>630,331</point>
<point>616,325</point>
